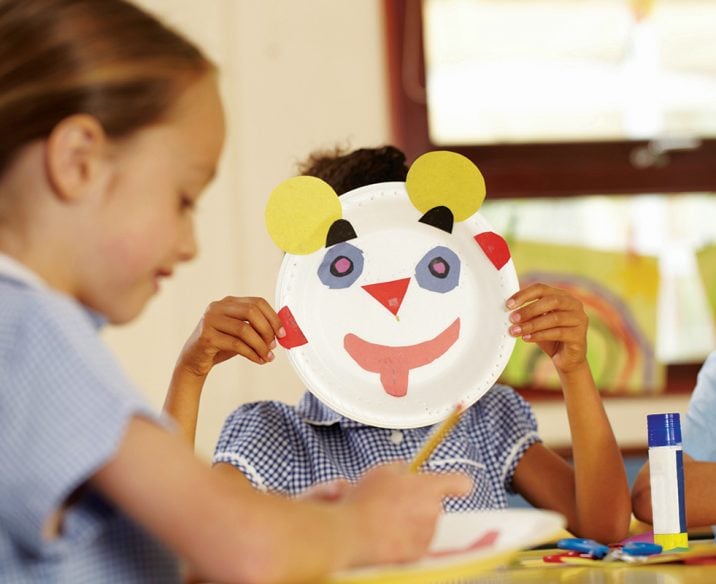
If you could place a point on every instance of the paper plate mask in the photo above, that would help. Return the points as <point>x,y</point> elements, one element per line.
<point>393,295</point>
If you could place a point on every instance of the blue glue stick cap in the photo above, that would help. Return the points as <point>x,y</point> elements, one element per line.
<point>664,429</point>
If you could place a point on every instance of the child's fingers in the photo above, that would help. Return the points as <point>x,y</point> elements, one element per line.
<point>260,313</point>
<point>271,316</point>
<point>328,491</point>
<point>565,335</point>
<point>551,303</point>
<point>246,333</point>
<point>530,293</point>
<point>255,311</point>
<point>451,484</point>
<point>550,320</point>
<point>227,346</point>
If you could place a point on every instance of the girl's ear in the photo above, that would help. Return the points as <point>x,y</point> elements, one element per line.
<point>74,153</point>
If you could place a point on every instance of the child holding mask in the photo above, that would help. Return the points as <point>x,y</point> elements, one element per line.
<point>295,449</point>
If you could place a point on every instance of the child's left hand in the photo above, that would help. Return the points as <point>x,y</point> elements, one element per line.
<point>328,492</point>
<point>232,326</point>
<point>555,320</point>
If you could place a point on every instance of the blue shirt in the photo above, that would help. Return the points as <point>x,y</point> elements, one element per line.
<point>699,428</point>
<point>287,449</point>
<point>64,406</point>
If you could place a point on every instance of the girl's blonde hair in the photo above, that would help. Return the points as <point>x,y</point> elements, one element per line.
<point>106,58</point>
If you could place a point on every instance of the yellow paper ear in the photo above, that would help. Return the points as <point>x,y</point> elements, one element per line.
<point>299,213</point>
<point>448,179</point>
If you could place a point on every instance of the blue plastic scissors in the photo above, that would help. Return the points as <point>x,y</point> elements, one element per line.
<point>631,551</point>
<point>584,546</point>
<point>641,548</point>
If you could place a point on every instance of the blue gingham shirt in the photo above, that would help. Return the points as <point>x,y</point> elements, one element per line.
<point>698,432</point>
<point>64,406</point>
<point>698,428</point>
<point>288,449</point>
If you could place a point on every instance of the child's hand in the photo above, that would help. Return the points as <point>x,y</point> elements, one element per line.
<point>229,327</point>
<point>330,491</point>
<point>394,512</point>
<point>555,320</point>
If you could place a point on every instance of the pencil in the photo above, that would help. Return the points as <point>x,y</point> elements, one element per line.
<point>435,438</point>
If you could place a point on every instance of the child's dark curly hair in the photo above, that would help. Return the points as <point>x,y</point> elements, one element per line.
<point>348,171</point>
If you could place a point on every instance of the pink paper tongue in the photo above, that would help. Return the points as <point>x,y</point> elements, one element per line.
<point>394,363</point>
<point>394,378</point>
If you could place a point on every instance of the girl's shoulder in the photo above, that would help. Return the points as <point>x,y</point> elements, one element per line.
<point>50,344</point>
<point>259,419</point>
<point>501,398</point>
<point>501,411</point>
<point>28,310</point>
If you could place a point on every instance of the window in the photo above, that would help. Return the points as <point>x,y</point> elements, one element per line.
<point>517,71</point>
<point>575,115</point>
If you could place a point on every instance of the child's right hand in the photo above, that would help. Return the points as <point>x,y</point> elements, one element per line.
<point>555,320</point>
<point>396,511</point>
<point>232,326</point>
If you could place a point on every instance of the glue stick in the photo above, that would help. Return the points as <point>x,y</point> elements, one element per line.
<point>666,469</point>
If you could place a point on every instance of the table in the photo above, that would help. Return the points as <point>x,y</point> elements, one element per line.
<point>621,574</point>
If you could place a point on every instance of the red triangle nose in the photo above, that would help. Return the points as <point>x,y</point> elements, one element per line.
<point>389,294</point>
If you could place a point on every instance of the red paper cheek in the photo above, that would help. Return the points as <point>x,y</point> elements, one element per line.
<point>294,336</point>
<point>495,248</point>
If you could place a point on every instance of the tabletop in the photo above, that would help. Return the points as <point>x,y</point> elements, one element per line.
<point>524,568</point>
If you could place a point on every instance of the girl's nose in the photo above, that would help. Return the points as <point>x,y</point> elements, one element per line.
<point>389,294</point>
<point>188,247</point>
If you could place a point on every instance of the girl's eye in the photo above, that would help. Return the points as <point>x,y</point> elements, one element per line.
<point>341,266</point>
<point>438,270</point>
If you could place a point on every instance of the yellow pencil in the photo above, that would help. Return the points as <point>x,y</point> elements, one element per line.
<point>435,438</point>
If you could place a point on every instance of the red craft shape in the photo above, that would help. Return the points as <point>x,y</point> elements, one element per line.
<point>495,248</point>
<point>294,335</point>
<point>389,294</point>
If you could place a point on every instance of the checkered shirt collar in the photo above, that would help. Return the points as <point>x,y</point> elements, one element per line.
<point>11,269</point>
<point>15,271</point>
<point>315,412</point>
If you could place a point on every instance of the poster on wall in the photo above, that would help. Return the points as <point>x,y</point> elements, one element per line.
<point>706,261</point>
<point>619,292</point>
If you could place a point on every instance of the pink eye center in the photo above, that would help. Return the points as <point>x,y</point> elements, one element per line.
<point>439,268</point>
<point>342,266</point>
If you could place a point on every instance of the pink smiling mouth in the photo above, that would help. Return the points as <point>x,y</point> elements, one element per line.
<point>394,363</point>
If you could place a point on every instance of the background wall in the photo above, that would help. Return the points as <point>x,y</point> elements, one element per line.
<point>296,76</point>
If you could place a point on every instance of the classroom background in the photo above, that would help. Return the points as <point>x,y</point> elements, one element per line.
<point>597,185</point>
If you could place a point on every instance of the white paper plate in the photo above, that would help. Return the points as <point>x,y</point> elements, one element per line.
<point>391,242</point>
<point>466,544</point>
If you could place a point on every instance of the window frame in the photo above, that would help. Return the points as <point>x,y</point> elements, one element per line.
<point>525,170</point>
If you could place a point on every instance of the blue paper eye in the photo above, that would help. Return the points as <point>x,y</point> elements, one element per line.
<point>341,266</point>
<point>439,270</point>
